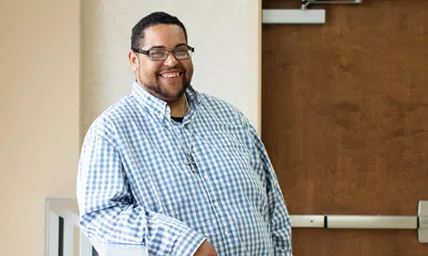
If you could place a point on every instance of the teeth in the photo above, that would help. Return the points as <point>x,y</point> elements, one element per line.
<point>170,75</point>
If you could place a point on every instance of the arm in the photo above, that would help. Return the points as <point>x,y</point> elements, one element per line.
<point>106,205</point>
<point>279,218</point>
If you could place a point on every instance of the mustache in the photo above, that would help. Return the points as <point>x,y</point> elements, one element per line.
<point>176,68</point>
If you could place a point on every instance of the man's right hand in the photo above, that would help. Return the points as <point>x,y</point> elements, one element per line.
<point>206,249</point>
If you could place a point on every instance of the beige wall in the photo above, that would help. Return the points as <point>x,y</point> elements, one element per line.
<point>39,110</point>
<point>40,78</point>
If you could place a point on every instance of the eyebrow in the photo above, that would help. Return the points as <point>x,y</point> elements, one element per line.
<point>163,47</point>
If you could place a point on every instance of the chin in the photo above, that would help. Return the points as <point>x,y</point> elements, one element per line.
<point>166,92</point>
<point>171,95</point>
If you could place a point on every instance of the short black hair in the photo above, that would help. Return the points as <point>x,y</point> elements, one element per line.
<point>155,18</point>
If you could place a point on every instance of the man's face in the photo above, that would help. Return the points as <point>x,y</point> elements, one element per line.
<point>165,79</point>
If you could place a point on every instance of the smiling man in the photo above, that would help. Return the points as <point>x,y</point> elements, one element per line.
<point>175,170</point>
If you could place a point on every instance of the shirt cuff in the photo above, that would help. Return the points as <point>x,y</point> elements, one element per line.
<point>187,243</point>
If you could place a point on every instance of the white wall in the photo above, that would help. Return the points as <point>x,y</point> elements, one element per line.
<point>39,116</point>
<point>225,34</point>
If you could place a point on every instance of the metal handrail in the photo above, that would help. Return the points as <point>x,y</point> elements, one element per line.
<point>306,3</point>
<point>418,222</point>
<point>67,210</point>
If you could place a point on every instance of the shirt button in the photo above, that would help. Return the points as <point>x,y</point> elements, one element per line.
<point>216,204</point>
<point>206,177</point>
<point>195,150</point>
<point>226,233</point>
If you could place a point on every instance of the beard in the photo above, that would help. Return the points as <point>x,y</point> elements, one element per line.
<point>163,91</point>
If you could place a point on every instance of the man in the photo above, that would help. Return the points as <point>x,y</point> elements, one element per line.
<point>174,170</point>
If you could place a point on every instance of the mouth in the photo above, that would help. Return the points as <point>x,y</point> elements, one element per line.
<point>171,74</point>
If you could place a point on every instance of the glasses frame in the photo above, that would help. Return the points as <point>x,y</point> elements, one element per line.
<point>147,52</point>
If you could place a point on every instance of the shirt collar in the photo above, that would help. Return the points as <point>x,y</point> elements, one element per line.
<point>159,107</point>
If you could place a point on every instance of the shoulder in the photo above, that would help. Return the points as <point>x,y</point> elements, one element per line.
<point>115,118</point>
<point>222,109</point>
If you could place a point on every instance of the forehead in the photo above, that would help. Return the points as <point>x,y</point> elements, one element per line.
<point>164,35</point>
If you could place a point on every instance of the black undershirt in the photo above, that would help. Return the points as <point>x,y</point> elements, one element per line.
<point>177,119</point>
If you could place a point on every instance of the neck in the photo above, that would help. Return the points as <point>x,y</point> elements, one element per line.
<point>179,107</point>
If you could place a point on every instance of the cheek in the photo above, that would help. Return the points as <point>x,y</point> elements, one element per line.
<point>189,70</point>
<point>189,74</point>
<point>149,71</point>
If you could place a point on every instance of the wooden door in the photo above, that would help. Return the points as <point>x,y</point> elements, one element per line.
<point>345,120</point>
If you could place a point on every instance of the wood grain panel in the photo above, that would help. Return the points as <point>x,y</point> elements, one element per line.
<point>345,118</point>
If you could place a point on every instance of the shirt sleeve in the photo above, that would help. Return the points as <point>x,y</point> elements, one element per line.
<point>278,213</point>
<point>107,212</point>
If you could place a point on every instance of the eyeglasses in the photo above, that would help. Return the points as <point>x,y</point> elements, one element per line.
<point>157,54</point>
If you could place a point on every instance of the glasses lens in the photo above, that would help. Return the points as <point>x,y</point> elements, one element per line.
<point>182,53</point>
<point>158,54</point>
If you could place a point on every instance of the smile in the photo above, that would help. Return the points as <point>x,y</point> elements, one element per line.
<point>170,75</point>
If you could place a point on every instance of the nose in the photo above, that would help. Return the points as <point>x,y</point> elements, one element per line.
<point>171,60</point>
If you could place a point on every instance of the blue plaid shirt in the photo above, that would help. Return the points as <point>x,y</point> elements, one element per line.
<point>136,186</point>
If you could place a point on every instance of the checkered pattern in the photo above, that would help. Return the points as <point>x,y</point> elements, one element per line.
<point>135,188</point>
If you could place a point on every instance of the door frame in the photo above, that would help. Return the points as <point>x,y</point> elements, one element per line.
<point>255,63</point>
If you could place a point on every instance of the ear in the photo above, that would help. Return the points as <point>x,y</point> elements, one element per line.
<point>133,60</point>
